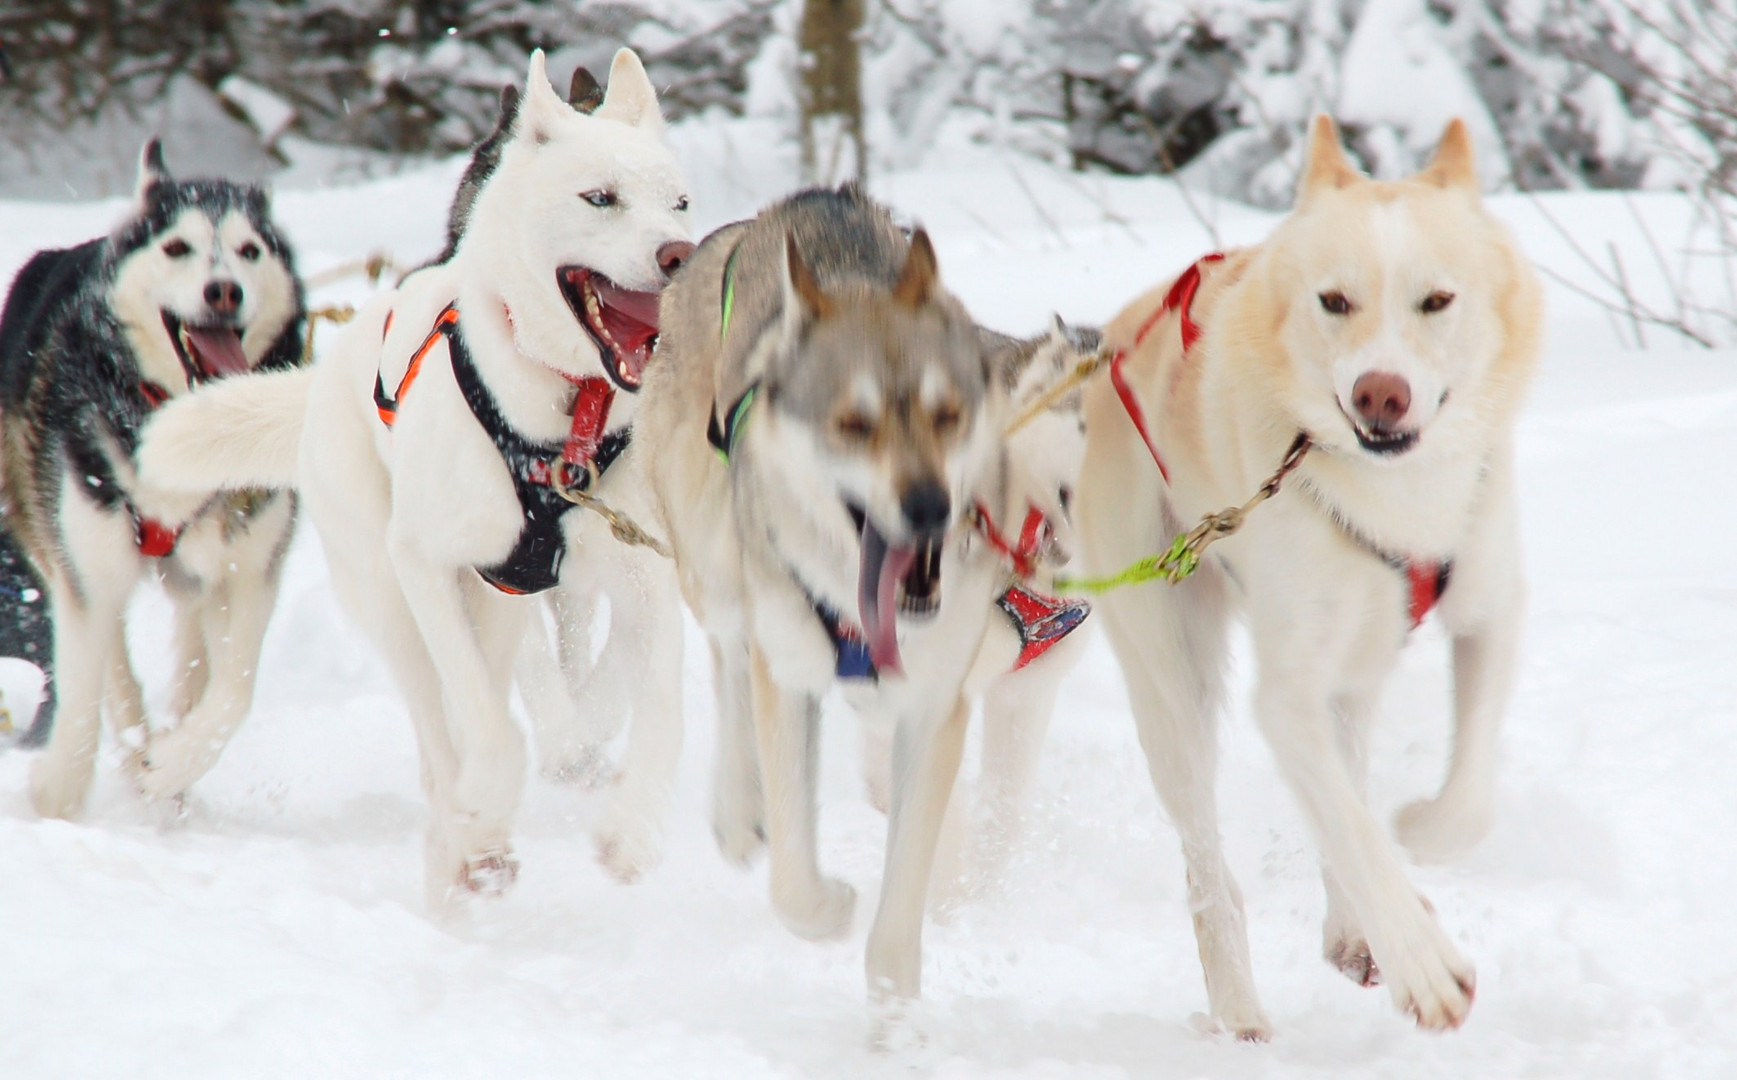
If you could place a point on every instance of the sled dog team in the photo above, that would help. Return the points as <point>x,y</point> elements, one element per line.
<point>797,428</point>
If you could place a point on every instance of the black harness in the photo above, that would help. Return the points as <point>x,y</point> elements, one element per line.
<point>539,470</point>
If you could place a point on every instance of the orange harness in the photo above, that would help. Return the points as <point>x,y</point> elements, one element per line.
<point>540,472</point>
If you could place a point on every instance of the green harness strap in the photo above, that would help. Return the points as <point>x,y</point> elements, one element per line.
<point>723,436</point>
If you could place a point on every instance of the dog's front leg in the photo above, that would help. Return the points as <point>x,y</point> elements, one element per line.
<point>84,637</point>
<point>490,747</point>
<point>926,752</point>
<point>235,614</point>
<point>788,729</point>
<point>125,703</point>
<point>642,666</point>
<point>738,803</point>
<point>1424,972</point>
<point>1484,611</point>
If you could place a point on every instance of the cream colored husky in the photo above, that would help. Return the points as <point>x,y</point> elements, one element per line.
<point>1395,326</point>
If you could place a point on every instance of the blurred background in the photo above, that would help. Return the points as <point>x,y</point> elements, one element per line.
<point>1562,94</point>
<point>1056,101</point>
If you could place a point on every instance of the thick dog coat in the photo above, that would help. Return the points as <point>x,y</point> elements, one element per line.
<point>817,423</point>
<point>430,442</point>
<point>1395,325</point>
<point>193,285</point>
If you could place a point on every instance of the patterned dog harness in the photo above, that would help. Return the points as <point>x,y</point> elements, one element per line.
<point>539,470</point>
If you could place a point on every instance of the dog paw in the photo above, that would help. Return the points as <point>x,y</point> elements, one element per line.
<point>171,764</point>
<point>1251,1027</point>
<point>626,853</point>
<point>1354,960</point>
<point>1440,830</point>
<point>822,914</point>
<point>1428,978</point>
<point>740,836</point>
<point>587,769</point>
<point>490,874</point>
<point>56,790</point>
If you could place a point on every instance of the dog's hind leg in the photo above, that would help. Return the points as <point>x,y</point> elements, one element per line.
<point>643,659</point>
<point>1170,640</point>
<point>926,751</point>
<point>1483,610</point>
<point>738,803</point>
<point>788,729</point>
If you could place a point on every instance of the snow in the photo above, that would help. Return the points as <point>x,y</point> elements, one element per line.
<point>276,928</point>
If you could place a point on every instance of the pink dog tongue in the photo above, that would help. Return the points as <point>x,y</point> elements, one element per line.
<point>216,351</point>
<point>877,596</point>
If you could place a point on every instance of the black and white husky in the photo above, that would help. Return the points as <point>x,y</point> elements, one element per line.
<point>194,284</point>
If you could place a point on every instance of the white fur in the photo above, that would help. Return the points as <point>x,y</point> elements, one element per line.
<point>406,513</point>
<point>1327,616</point>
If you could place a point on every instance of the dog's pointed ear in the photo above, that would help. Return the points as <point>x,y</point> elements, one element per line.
<point>152,171</point>
<point>541,109</point>
<point>584,93</point>
<point>1327,167</point>
<point>917,281</point>
<point>1454,164</point>
<point>509,107</point>
<point>811,299</point>
<point>630,98</point>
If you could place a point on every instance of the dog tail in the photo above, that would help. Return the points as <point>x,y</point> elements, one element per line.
<point>238,433</point>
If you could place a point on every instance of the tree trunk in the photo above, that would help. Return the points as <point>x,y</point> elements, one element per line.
<point>832,144</point>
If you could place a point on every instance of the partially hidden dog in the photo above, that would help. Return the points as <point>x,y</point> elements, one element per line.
<point>1029,645</point>
<point>1394,327</point>
<point>818,423</point>
<point>432,444</point>
<point>196,284</point>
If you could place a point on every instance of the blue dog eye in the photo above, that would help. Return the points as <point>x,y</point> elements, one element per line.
<point>599,198</point>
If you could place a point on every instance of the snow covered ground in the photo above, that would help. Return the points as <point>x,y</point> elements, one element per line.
<point>278,931</point>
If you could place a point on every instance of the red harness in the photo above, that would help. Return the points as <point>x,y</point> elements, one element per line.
<point>1426,579</point>
<point>155,540</point>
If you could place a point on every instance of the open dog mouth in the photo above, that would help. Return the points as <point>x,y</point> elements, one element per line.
<point>1379,442</point>
<point>623,322</point>
<point>892,581</point>
<point>210,351</point>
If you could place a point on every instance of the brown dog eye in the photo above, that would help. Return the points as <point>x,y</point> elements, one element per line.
<point>1335,303</point>
<point>946,419</point>
<point>1435,302</point>
<point>856,426</point>
<point>249,251</point>
<point>177,249</point>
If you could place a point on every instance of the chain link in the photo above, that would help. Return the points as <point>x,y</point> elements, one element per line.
<point>1182,558</point>
<point>625,528</point>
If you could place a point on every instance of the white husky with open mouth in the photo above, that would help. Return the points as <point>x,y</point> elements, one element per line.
<point>434,441</point>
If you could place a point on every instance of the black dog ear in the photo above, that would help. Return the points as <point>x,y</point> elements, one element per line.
<point>584,93</point>
<point>152,171</point>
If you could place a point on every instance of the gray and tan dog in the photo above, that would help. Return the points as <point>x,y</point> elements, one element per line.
<point>815,351</point>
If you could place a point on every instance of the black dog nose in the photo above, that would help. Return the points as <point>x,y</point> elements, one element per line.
<point>672,255</point>
<point>223,296</point>
<point>926,507</point>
